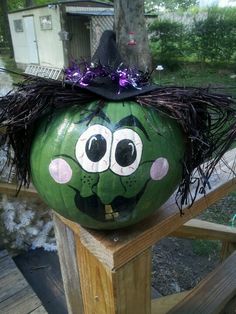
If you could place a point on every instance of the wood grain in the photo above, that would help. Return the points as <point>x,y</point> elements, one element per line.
<point>227,249</point>
<point>16,296</point>
<point>96,283</point>
<point>6,266</point>
<point>199,229</point>
<point>126,290</point>
<point>3,253</point>
<point>70,275</point>
<point>115,266</point>
<point>115,248</point>
<point>42,271</point>
<point>11,283</point>
<point>164,304</point>
<point>213,293</point>
<point>11,189</point>
<point>230,308</point>
<point>132,284</point>
<point>39,310</point>
<point>22,302</point>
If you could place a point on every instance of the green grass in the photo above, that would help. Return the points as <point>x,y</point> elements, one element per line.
<point>221,212</point>
<point>10,64</point>
<point>206,247</point>
<point>197,75</point>
<point>219,78</point>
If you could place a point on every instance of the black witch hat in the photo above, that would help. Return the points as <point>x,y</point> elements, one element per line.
<point>208,120</point>
<point>107,76</point>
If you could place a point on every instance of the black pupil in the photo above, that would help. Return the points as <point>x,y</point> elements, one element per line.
<point>125,153</point>
<point>96,147</point>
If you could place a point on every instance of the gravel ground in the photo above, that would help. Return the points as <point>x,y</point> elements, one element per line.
<point>177,267</point>
<point>179,264</point>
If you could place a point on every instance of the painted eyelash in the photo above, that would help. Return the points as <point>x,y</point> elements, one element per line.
<point>145,162</point>
<point>67,156</point>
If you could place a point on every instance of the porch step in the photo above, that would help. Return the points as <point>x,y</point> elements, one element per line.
<point>16,295</point>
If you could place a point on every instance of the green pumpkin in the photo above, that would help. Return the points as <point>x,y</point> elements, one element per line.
<point>108,170</point>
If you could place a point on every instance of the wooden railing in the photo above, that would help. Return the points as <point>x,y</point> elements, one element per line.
<point>108,272</point>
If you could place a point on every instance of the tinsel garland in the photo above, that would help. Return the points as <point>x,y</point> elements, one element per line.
<point>25,226</point>
<point>85,73</point>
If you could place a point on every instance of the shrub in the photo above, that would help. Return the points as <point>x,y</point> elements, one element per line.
<point>167,41</point>
<point>214,38</point>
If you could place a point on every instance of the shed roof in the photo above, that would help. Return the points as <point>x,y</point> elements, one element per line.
<point>94,13</point>
<point>77,3</point>
<point>77,10</point>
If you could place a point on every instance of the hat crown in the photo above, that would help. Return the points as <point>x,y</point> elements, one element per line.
<point>107,52</point>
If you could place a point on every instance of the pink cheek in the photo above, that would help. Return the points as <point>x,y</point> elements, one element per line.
<point>60,170</point>
<point>159,168</point>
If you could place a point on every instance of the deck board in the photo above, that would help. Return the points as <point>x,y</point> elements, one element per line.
<point>16,295</point>
<point>3,253</point>
<point>39,310</point>
<point>42,270</point>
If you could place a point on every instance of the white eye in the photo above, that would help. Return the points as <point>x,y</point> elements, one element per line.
<point>92,149</point>
<point>126,152</point>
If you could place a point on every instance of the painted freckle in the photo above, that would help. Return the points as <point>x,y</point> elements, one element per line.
<point>159,168</point>
<point>60,170</point>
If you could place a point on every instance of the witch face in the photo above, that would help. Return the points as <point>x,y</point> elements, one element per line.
<point>107,168</point>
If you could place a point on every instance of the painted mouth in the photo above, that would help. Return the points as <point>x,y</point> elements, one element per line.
<point>119,209</point>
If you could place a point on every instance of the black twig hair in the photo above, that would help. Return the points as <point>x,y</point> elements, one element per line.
<point>208,121</point>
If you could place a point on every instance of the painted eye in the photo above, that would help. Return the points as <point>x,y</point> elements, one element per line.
<point>93,148</point>
<point>96,147</point>
<point>126,152</point>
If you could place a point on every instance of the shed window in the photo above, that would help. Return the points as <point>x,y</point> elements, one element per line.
<point>18,25</point>
<point>45,22</point>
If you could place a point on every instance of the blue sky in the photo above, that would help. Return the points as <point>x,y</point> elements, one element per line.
<point>220,3</point>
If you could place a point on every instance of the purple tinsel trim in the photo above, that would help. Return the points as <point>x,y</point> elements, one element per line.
<point>84,74</point>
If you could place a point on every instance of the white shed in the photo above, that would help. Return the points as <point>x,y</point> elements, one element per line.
<point>52,35</point>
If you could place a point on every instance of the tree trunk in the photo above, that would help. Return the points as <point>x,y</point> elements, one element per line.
<point>131,33</point>
<point>29,3</point>
<point>6,28</point>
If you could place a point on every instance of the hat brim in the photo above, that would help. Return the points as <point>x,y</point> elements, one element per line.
<point>111,91</point>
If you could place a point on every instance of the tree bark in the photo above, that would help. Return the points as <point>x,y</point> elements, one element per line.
<point>6,26</point>
<point>130,22</point>
<point>29,3</point>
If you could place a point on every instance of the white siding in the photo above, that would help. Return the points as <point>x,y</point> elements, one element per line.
<point>50,49</point>
<point>19,40</point>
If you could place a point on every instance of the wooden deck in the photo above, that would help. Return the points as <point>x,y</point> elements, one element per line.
<point>108,269</point>
<point>16,295</point>
<point>42,271</point>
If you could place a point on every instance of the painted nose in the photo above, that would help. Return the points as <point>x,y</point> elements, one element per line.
<point>109,187</point>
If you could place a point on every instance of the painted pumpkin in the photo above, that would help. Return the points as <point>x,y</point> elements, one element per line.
<point>108,170</point>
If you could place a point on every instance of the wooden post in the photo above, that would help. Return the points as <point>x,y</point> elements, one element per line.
<point>109,272</point>
<point>228,247</point>
<point>102,288</point>
<point>70,274</point>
